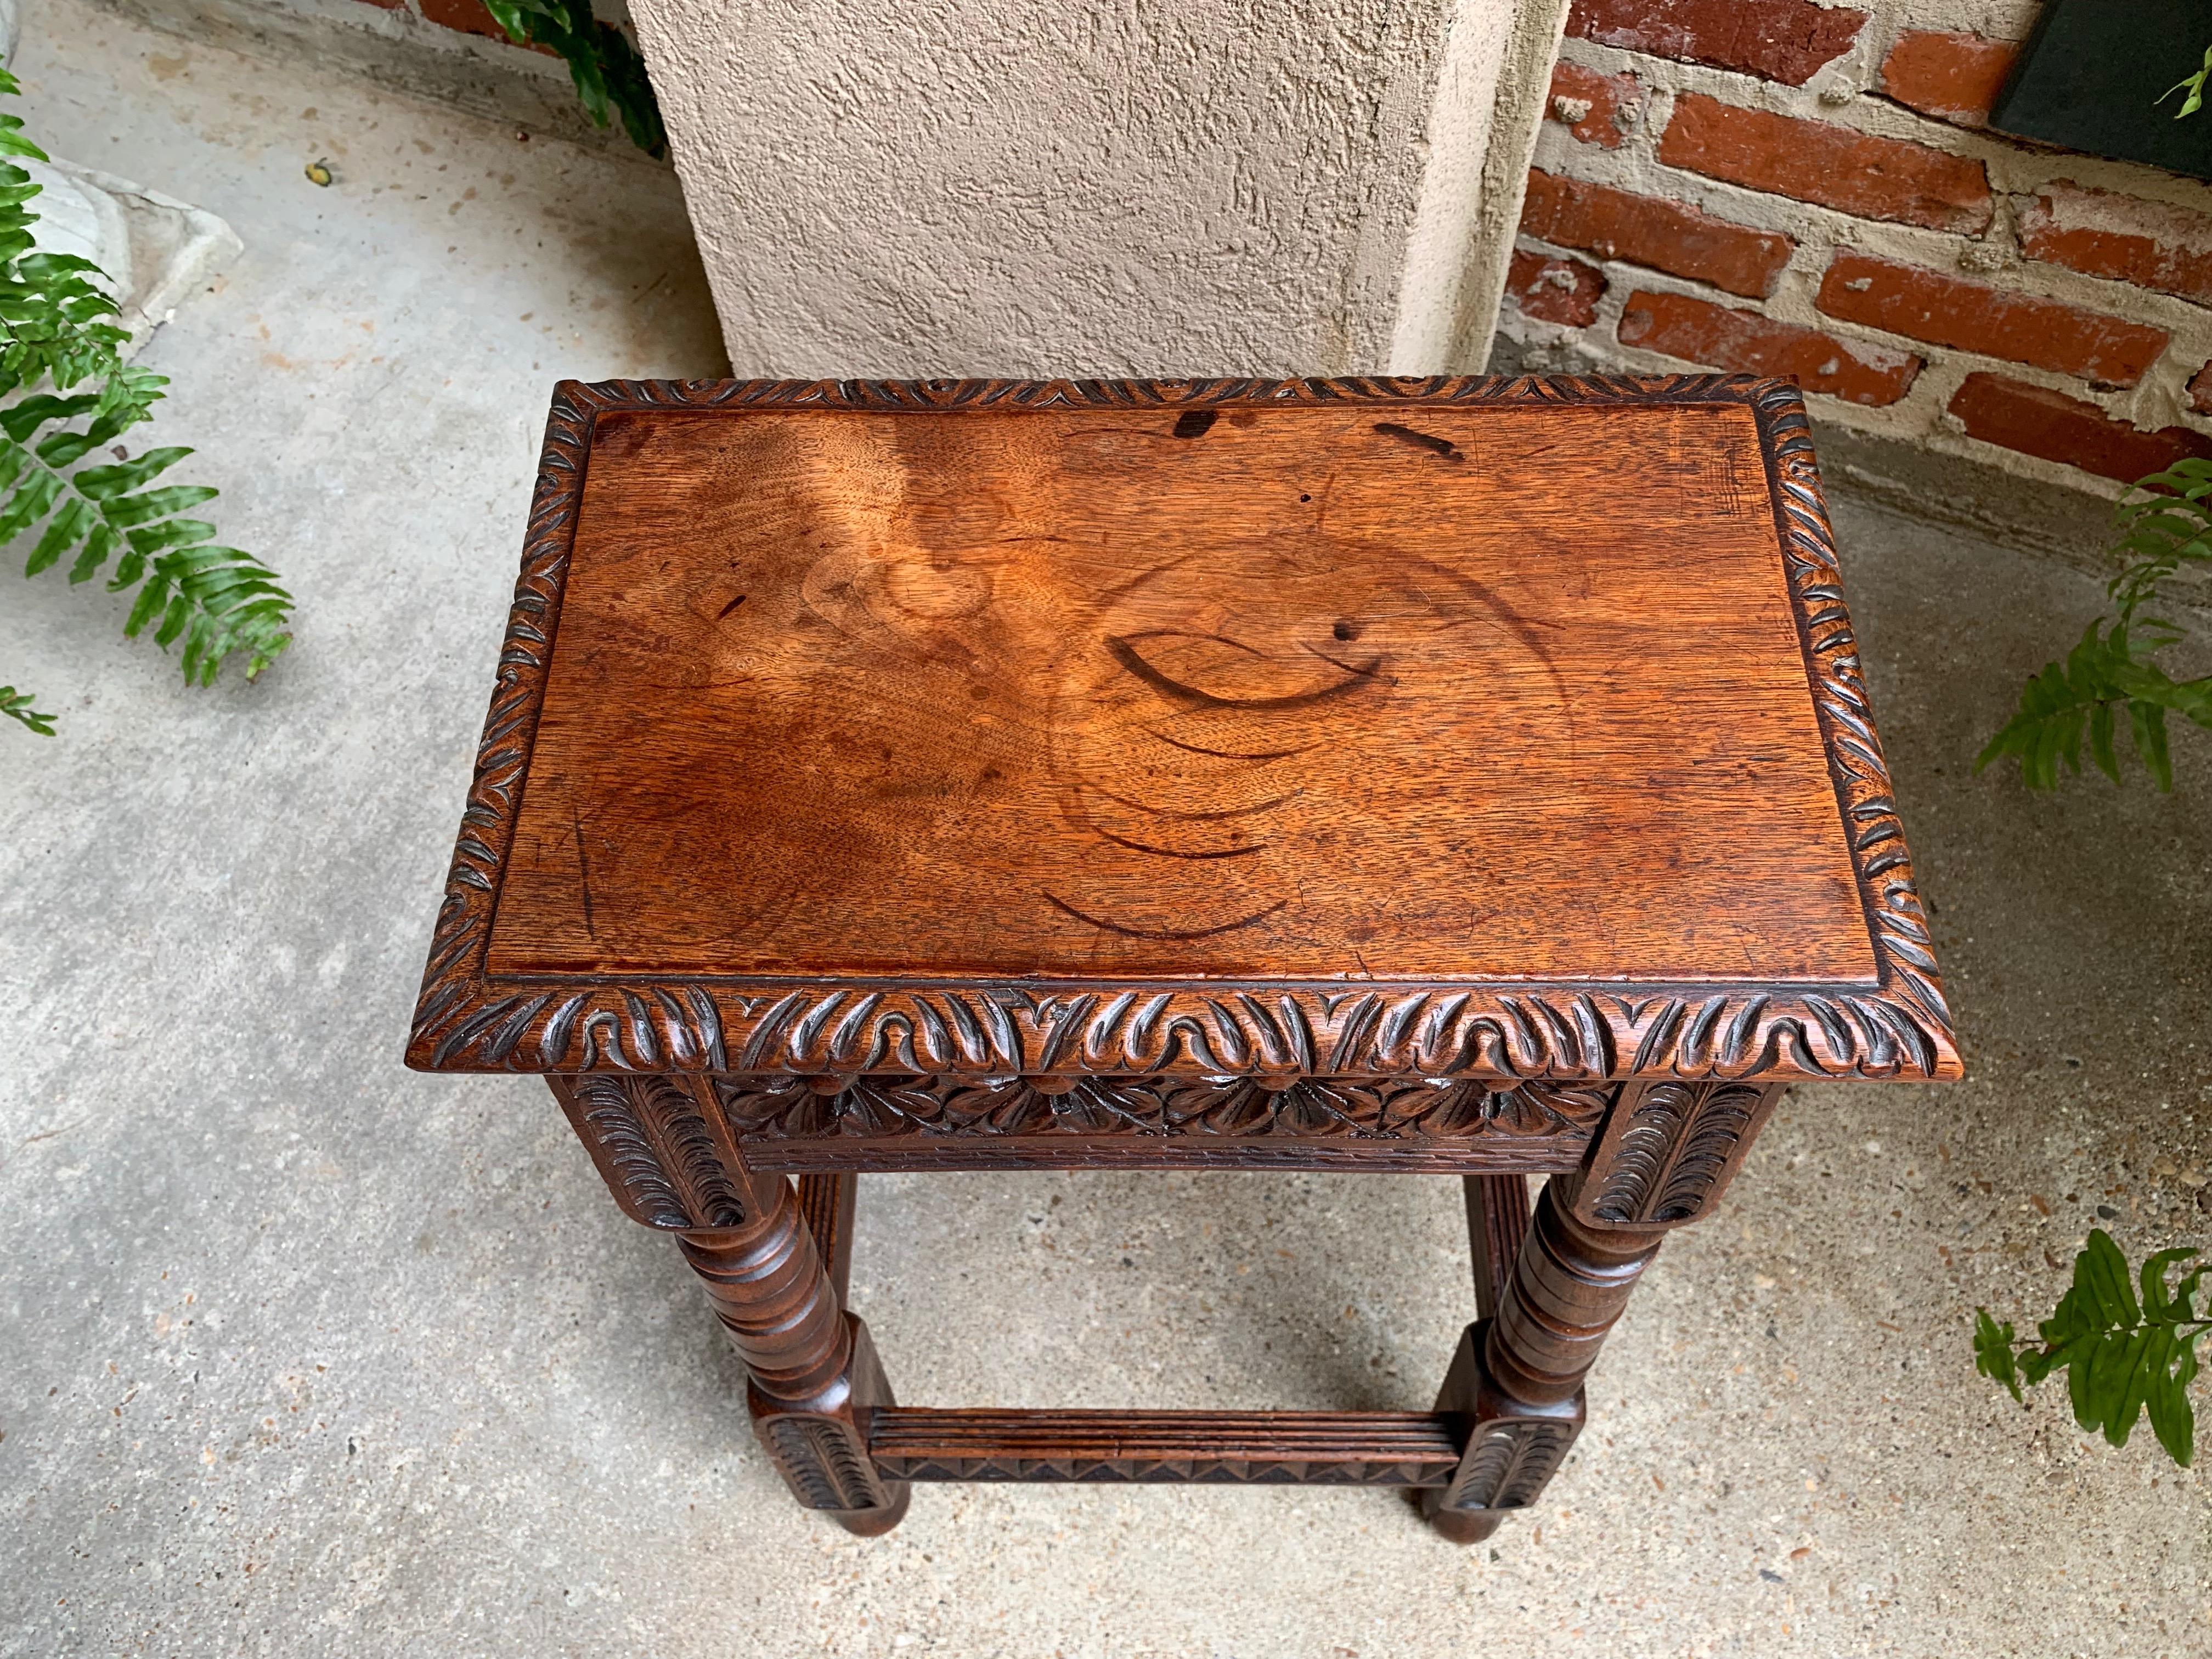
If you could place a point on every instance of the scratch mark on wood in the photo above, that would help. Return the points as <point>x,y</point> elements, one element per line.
<point>1171,852</point>
<point>1366,671</point>
<point>1428,441</point>
<point>1144,576</point>
<point>1125,653</point>
<point>1232,754</point>
<point>1171,812</point>
<point>584,866</point>
<point>1146,933</point>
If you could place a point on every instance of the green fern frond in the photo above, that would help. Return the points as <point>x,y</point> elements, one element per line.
<point>2126,1355</point>
<point>54,339</point>
<point>16,706</point>
<point>2170,526</point>
<point>2109,673</point>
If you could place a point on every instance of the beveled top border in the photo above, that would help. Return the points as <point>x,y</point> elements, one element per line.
<point>1896,1027</point>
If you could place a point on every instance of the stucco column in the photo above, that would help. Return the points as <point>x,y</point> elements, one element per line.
<point>913,188</point>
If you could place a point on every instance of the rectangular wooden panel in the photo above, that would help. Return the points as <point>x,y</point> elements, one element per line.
<point>1317,692</point>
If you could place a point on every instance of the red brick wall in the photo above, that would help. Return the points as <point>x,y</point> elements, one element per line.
<point>1796,188</point>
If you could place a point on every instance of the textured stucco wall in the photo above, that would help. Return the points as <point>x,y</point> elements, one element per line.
<point>1483,120</point>
<point>907,188</point>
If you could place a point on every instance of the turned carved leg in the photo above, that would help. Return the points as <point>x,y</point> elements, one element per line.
<point>1569,1287</point>
<point>1517,1377</point>
<point>814,1375</point>
<point>1663,1159</point>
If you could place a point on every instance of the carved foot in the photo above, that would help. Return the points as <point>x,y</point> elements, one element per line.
<point>1513,1448</point>
<point>815,1378</point>
<point>820,1445</point>
<point>1463,1526</point>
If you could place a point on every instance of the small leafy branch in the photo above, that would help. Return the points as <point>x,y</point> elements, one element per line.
<point>2194,83</point>
<point>2122,1357</point>
<point>16,706</point>
<point>608,72</point>
<point>53,335</point>
<point>2109,673</point>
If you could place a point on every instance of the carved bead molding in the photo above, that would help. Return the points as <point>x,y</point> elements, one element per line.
<point>1669,1152</point>
<point>670,1166</point>
<point>1896,1026</point>
<point>784,1109</point>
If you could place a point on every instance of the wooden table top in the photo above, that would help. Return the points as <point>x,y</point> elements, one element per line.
<point>1470,726</point>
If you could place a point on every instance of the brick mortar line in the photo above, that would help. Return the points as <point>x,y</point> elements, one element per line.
<point>1748,208</point>
<point>1819,231</point>
<point>1944,369</point>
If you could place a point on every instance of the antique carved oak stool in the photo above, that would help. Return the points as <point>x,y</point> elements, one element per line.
<point>1465,777</point>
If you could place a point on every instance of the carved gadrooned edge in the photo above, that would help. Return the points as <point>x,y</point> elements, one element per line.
<point>1903,946</point>
<point>1899,1027</point>
<point>1668,1151</point>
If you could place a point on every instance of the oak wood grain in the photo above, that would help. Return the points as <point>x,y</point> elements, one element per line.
<point>1497,1223</point>
<point>1491,692</point>
<point>1353,728</point>
<point>826,1205</point>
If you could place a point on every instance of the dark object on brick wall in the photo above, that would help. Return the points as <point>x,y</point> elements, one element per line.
<point>2092,76</point>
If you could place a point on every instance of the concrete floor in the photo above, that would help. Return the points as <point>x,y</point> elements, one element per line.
<point>301,1353</point>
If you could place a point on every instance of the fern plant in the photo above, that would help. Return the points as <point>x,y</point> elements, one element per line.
<point>2165,523</point>
<point>66,393</point>
<point>2124,1357</point>
<point>608,72</point>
